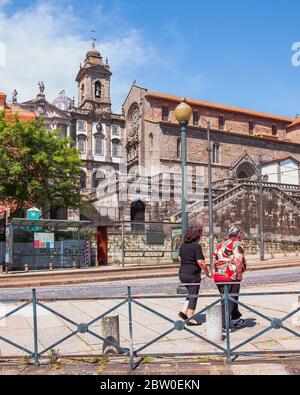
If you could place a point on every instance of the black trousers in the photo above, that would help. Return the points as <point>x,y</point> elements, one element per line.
<point>234,313</point>
<point>193,290</point>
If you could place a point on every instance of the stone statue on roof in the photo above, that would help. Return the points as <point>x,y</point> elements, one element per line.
<point>14,96</point>
<point>41,87</point>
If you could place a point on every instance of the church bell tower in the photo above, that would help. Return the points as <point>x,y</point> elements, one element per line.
<point>93,81</point>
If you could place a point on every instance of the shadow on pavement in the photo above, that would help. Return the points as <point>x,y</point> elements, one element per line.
<point>250,323</point>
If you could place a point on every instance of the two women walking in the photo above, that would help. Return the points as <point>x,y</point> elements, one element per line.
<point>228,267</point>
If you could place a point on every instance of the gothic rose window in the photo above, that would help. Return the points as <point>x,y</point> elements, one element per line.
<point>134,119</point>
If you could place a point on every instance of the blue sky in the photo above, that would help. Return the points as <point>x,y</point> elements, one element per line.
<point>227,51</point>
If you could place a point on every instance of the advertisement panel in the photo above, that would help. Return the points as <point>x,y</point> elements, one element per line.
<point>43,240</point>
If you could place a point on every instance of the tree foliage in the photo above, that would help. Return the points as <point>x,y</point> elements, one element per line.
<point>37,166</point>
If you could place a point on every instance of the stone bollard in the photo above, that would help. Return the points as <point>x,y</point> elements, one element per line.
<point>26,269</point>
<point>1,269</point>
<point>111,331</point>
<point>50,266</point>
<point>214,323</point>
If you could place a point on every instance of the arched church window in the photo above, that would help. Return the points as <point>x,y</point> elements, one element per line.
<point>98,145</point>
<point>116,148</point>
<point>82,91</point>
<point>151,141</point>
<point>98,89</point>
<point>95,180</point>
<point>245,170</point>
<point>216,153</point>
<point>172,186</point>
<point>81,144</point>
<point>137,214</point>
<point>83,180</point>
<point>98,177</point>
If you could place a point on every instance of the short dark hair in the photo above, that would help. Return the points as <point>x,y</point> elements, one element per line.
<point>193,233</point>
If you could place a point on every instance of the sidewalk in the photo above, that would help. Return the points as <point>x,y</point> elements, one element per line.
<point>148,326</point>
<point>156,367</point>
<point>116,273</point>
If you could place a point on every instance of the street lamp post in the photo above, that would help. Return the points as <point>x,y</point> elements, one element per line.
<point>183,114</point>
<point>210,199</point>
<point>261,212</point>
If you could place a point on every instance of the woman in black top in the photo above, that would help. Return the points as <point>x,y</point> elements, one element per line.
<point>192,262</point>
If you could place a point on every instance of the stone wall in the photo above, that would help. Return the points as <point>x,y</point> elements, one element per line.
<point>138,243</point>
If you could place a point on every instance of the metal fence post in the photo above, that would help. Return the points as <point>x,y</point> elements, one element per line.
<point>132,363</point>
<point>123,245</point>
<point>35,330</point>
<point>227,320</point>
<point>261,212</point>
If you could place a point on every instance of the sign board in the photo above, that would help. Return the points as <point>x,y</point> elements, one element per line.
<point>155,237</point>
<point>176,243</point>
<point>43,240</point>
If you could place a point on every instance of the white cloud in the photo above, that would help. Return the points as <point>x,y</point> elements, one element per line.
<point>4,2</point>
<point>41,46</point>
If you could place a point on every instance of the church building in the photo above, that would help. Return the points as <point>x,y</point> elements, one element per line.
<point>132,160</point>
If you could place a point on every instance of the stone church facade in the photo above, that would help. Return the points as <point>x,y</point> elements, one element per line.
<point>132,160</point>
<point>95,130</point>
<point>239,138</point>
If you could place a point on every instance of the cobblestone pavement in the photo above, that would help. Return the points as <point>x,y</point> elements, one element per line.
<point>149,286</point>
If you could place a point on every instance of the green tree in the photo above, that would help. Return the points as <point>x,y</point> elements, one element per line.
<point>37,166</point>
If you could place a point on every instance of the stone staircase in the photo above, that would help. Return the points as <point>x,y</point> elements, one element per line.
<point>289,194</point>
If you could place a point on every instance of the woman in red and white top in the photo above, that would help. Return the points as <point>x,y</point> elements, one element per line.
<point>229,265</point>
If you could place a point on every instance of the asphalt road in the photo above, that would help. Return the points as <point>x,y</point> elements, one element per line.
<point>149,286</point>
